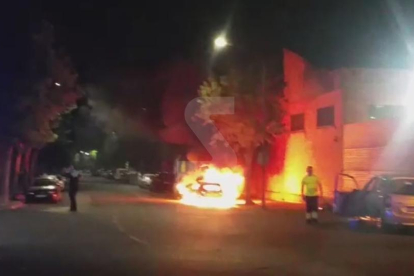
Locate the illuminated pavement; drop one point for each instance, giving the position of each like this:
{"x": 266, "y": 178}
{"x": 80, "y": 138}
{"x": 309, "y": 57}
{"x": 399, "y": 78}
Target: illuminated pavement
{"x": 121, "y": 230}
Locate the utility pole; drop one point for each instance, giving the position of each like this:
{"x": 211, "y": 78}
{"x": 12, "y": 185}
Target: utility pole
{"x": 264, "y": 150}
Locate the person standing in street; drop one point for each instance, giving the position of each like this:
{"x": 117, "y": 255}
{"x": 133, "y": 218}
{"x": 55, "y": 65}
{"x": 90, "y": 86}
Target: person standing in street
{"x": 74, "y": 176}
{"x": 311, "y": 191}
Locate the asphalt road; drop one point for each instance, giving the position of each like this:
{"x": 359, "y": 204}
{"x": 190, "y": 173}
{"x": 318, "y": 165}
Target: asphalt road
{"x": 121, "y": 230}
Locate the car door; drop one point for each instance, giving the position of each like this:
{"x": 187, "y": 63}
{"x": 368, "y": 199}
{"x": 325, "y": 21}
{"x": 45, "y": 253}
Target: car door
{"x": 361, "y": 200}
{"x": 344, "y": 201}
{"x": 373, "y": 197}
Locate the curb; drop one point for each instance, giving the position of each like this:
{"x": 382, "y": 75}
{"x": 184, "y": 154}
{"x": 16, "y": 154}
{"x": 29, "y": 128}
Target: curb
{"x": 12, "y": 206}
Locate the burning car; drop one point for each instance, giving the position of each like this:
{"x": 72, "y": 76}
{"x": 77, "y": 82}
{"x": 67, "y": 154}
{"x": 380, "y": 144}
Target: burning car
{"x": 211, "y": 187}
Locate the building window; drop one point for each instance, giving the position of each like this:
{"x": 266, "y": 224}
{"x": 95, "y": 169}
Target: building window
{"x": 326, "y": 116}
{"x": 378, "y": 112}
{"x": 297, "y": 122}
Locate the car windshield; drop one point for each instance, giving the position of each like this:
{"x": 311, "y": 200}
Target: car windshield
{"x": 403, "y": 186}
{"x": 43, "y": 182}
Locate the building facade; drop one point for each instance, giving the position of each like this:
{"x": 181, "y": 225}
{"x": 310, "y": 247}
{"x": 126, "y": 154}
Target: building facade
{"x": 352, "y": 121}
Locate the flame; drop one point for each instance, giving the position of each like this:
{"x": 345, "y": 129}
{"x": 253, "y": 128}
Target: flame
{"x": 287, "y": 185}
{"x": 230, "y": 181}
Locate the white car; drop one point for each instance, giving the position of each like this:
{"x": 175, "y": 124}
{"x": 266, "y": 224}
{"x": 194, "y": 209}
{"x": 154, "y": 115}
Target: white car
{"x": 145, "y": 180}
{"x": 59, "y": 182}
{"x": 386, "y": 199}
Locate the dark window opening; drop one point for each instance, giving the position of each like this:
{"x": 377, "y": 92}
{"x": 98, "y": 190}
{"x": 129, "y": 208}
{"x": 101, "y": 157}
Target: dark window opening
{"x": 378, "y": 112}
{"x": 297, "y": 122}
{"x": 326, "y": 116}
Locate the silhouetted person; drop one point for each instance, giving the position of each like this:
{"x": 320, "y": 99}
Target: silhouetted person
{"x": 74, "y": 176}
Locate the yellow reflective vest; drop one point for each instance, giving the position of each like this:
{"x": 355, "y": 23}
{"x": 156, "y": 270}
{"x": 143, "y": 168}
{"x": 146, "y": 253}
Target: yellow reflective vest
{"x": 311, "y": 185}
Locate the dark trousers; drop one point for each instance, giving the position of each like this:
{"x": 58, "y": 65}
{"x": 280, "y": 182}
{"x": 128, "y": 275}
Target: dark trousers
{"x": 72, "y": 197}
{"x": 311, "y": 206}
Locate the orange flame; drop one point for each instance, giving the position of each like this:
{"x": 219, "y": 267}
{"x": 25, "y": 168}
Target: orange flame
{"x": 230, "y": 180}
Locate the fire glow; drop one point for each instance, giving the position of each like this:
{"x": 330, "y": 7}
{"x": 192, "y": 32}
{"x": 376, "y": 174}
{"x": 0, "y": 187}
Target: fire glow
{"x": 212, "y": 187}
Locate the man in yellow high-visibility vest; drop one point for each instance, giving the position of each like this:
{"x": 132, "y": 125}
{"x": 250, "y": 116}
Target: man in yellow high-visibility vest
{"x": 311, "y": 190}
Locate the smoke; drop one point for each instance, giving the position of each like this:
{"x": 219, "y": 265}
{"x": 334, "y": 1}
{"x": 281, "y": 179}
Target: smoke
{"x": 112, "y": 115}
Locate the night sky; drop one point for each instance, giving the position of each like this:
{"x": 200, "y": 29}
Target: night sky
{"x": 129, "y": 41}
{"x": 329, "y": 34}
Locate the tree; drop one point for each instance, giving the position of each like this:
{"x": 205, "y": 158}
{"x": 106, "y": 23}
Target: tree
{"x": 37, "y": 98}
{"x": 256, "y": 119}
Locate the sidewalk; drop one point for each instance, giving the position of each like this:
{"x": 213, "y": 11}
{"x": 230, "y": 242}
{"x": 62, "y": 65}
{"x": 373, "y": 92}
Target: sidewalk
{"x": 270, "y": 204}
{"x": 12, "y": 205}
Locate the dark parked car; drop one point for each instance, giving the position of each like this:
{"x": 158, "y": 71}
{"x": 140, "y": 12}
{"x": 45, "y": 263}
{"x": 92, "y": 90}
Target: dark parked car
{"x": 387, "y": 199}
{"x": 163, "y": 182}
{"x": 44, "y": 189}
{"x": 108, "y": 174}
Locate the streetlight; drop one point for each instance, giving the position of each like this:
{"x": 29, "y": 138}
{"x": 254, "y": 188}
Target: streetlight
{"x": 220, "y": 42}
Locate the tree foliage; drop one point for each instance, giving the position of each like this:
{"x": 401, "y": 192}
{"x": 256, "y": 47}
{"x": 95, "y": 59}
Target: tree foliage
{"x": 257, "y": 117}
{"x": 42, "y": 90}
{"x": 50, "y": 90}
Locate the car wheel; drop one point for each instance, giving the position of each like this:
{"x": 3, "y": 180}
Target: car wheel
{"x": 387, "y": 227}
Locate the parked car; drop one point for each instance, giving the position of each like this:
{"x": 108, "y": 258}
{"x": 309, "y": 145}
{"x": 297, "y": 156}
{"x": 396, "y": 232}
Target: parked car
{"x": 163, "y": 182}
{"x": 59, "y": 180}
{"x": 108, "y": 174}
{"x": 121, "y": 174}
{"x": 97, "y": 172}
{"x": 145, "y": 180}
{"x": 44, "y": 188}
{"x": 86, "y": 172}
{"x": 387, "y": 199}
{"x": 64, "y": 180}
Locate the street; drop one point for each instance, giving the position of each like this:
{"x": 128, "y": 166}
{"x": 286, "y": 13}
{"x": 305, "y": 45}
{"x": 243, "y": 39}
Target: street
{"x": 122, "y": 230}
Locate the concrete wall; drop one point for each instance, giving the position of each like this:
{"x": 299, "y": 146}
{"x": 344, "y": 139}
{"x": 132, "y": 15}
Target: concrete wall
{"x": 377, "y": 147}
{"x": 365, "y": 87}
{"x": 356, "y": 144}
{"x": 303, "y": 82}
{"x": 307, "y": 89}
{"x": 320, "y": 147}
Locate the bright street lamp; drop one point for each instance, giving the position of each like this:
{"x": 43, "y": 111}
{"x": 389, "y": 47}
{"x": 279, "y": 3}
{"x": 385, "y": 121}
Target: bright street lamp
{"x": 220, "y": 42}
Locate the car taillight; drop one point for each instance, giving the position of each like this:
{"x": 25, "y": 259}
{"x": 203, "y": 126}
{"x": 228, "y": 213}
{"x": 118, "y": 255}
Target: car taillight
{"x": 387, "y": 202}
